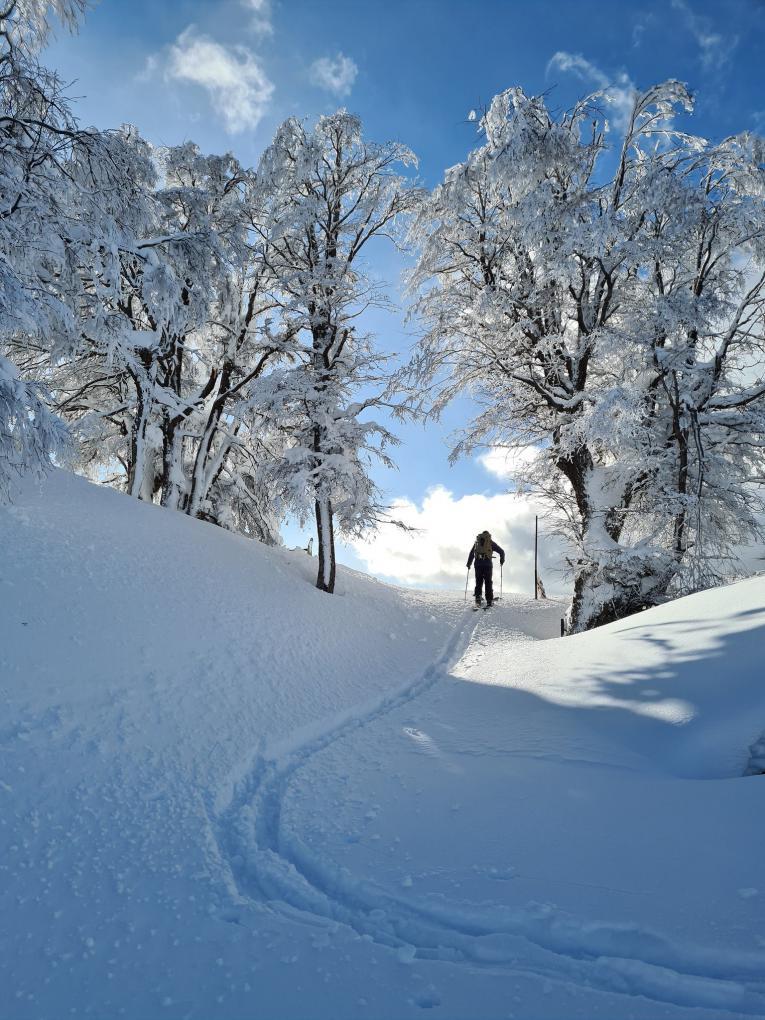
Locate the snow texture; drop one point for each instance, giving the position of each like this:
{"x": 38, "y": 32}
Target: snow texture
{"x": 227, "y": 794}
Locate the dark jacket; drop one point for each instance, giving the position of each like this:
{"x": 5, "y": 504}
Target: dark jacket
{"x": 495, "y": 547}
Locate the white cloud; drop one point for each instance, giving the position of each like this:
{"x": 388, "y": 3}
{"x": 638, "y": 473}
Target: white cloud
{"x": 715, "y": 48}
{"x": 508, "y": 464}
{"x": 261, "y": 22}
{"x": 234, "y": 80}
{"x": 335, "y": 74}
{"x": 619, "y": 93}
{"x": 149, "y": 68}
{"x": 435, "y": 556}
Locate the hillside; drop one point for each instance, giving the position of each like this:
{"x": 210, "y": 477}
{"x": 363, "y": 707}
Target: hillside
{"x": 226, "y": 794}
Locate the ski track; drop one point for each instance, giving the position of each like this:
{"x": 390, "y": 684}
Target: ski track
{"x": 268, "y": 869}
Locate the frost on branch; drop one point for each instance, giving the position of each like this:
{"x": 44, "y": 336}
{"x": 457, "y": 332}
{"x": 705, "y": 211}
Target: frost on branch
{"x": 607, "y": 307}
{"x": 29, "y": 434}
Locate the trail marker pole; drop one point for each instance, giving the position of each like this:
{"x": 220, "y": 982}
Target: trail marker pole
{"x": 536, "y": 546}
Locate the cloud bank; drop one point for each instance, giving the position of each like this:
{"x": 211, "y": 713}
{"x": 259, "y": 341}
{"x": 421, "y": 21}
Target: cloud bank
{"x": 435, "y": 556}
{"x": 508, "y": 464}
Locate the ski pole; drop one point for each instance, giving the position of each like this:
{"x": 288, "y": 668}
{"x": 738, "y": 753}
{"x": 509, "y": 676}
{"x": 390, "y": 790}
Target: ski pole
{"x": 467, "y": 578}
{"x": 501, "y": 565}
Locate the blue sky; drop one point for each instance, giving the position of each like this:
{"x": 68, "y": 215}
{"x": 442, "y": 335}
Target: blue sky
{"x": 225, "y": 73}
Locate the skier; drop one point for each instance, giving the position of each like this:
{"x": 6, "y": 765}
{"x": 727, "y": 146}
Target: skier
{"x": 482, "y": 551}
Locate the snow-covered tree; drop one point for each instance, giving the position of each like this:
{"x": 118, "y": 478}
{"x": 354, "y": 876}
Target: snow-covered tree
{"x": 705, "y": 334}
{"x": 238, "y": 344}
{"x": 29, "y": 433}
{"x": 25, "y": 25}
{"x": 170, "y": 335}
{"x": 590, "y": 300}
{"x": 37, "y": 237}
{"x": 330, "y": 192}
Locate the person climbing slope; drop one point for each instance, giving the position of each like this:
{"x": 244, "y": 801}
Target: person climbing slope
{"x": 482, "y": 552}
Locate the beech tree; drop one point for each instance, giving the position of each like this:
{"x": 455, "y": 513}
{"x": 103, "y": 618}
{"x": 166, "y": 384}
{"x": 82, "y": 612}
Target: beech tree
{"x": 606, "y": 319}
{"x": 39, "y": 243}
{"x": 170, "y": 336}
{"x": 29, "y": 433}
{"x": 330, "y": 192}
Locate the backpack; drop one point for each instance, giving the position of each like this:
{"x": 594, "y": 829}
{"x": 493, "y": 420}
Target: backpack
{"x": 483, "y": 546}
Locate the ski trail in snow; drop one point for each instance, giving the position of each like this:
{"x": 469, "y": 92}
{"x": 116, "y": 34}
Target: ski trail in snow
{"x": 268, "y": 869}
{"x": 246, "y": 827}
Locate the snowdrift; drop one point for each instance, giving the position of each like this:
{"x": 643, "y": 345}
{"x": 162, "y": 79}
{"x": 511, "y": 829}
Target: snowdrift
{"x": 226, "y": 794}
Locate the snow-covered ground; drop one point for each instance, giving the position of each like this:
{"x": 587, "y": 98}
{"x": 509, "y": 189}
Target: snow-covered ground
{"x": 224, "y": 794}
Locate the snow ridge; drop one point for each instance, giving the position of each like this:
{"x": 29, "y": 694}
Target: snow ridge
{"x": 269, "y": 868}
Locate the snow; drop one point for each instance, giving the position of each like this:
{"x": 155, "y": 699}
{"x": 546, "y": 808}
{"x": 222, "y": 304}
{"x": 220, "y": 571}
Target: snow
{"x": 226, "y": 794}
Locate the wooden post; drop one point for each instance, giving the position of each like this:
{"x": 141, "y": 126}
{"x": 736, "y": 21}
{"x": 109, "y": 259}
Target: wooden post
{"x": 536, "y": 545}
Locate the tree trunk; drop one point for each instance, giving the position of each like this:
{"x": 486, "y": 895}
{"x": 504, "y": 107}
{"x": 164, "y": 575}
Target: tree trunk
{"x": 325, "y": 530}
{"x": 172, "y": 463}
{"x": 680, "y": 537}
{"x": 610, "y": 581}
{"x": 141, "y": 470}
{"x": 201, "y": 476}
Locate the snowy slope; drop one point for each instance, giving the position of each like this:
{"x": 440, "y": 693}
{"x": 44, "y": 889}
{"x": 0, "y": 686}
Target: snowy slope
{"x": 225, "y": 794}
{"x": 574, "y": 811}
